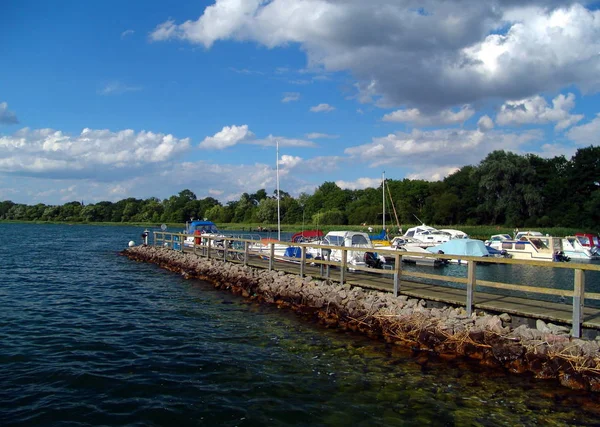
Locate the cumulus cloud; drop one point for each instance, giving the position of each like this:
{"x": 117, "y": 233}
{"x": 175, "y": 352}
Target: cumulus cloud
{"x": 535, "y": 110}
{"x": 444, "y": 117}
{"x": 359, "y": 184}
{"x": 116, "y": 88}
{"x": 586, "y": 134}
{"x": 442, "y": 147}
{"x": 431, "y": 53}
{"x": 432, "y": 173}
{"x": 7, "y": 117}
{"x": 227, "y": 137}
{"x": 94, "y": 153}
{"x": 289, "y": 161}
{"x": 232, "y": 135}
{"x": 485, "y": 123}
{"x": 290, "y": 96}
{"x": 322, "y": 108}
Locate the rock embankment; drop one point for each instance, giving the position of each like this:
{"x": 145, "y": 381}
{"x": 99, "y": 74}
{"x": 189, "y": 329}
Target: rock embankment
{"x": 547, "y": 351}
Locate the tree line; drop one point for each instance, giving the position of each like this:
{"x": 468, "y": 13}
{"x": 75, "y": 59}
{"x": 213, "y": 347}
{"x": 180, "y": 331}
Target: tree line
{"x": 504, "y": 189}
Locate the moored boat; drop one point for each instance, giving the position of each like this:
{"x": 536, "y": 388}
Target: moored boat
{"x": 533, "y": 246}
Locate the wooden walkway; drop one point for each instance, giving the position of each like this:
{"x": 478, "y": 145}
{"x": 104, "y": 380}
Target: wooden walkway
{"x": 526, "y": 308}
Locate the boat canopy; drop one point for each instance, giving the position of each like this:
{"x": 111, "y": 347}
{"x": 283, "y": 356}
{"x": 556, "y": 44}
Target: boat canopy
{"x": 465, "y": 247}
{"x": 205, "y": 227}
{"x": 307, "y": 235}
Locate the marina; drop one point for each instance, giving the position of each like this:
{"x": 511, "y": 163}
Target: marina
{"x": 563, "y": 302}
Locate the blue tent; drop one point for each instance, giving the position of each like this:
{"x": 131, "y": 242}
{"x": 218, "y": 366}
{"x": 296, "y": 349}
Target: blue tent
{"x": 465, "y": 247}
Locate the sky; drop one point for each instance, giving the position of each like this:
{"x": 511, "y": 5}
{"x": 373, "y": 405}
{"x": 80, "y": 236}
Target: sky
{"x": 106, "y": 100}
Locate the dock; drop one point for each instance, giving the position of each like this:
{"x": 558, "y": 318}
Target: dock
{"x": 471, "y": 293}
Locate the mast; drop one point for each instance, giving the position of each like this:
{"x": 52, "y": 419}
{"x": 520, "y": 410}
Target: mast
{"x": 383, "y": 191}
{"x": 278, "y": 207}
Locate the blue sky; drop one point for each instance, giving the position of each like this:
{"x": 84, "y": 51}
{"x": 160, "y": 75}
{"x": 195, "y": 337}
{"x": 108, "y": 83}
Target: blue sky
{"x": 109, "y": 100}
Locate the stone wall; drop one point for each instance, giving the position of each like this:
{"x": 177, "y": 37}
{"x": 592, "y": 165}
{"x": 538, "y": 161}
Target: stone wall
{"x": 547, "y": 351}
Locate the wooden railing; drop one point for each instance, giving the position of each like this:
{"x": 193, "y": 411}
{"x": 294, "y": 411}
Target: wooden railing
{"x": 236, "y": 249}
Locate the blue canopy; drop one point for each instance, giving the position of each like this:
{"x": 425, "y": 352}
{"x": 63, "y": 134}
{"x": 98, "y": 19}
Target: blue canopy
{"x": 295, "y": 252}
{"x": 203, "y": 226}
{"x": 465, "y": 247}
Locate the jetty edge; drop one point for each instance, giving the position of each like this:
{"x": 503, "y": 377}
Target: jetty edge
{"x": 548, "y": 352}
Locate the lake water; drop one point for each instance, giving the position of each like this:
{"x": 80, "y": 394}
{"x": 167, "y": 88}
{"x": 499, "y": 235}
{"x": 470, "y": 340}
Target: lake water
{"x": 89, "y": 337}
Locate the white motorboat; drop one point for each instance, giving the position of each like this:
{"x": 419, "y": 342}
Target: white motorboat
{"x": 427, "y": 236}
{"x": 574, "y": 249}
{"x": 361, "y": 256}
{"x": 533, "y": 247}
{"x": 455, "y": 234}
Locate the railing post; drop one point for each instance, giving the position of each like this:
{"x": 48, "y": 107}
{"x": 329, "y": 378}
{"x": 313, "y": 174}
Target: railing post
{"x": 397, "y": 273}
{"x": 578, "y": 303}
{"x": 245, "y": 254}
{"x": 271, "y": 255}
{"x": 328, "y": 265}
{"x": 470, "y": 286}
{"x": 208, "y": 247}
{"x": 303, "y": 260}
{"x": 224, "y": 250}
{"x": 343, "y": 267}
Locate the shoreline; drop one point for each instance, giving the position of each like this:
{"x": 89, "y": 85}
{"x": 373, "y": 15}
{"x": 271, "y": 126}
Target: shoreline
{"x": 547, "y": 352}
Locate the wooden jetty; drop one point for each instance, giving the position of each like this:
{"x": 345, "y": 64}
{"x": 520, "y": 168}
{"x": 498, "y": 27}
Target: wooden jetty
{"x": 468, "y": 291}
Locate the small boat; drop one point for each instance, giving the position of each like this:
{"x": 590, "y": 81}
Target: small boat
{"x": 455, "y": 234}
{"x": 461, "y": 247}
{"x": 409, "y": 248}
{"x": 497, "y": 238}
{"x": 589, "y": 240}
{"x": 199, "y": 228}
{"x": 363, "y": 255}
{"x": 533, "y": 246}
{"x": 307, "y": 236}
{"x": 574, "y": 249}
{"x": 427, "y": 236}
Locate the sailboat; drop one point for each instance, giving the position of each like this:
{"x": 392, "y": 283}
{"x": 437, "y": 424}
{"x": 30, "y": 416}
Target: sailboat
{"x": 382, "y": 239}
{"x": 281, "y": 251}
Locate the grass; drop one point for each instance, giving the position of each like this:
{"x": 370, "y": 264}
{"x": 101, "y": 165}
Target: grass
{"x": 481, "y": 232}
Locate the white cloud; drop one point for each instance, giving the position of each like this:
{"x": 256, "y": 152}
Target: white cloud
{"x": 116, "y": 88}
{"x": 485, "y": 123}
{"x": 7, "y": 117}
{"x": 317, "y": 135}
{"x": 126, "y": 33}
{"x": 290, "y": 96}
{"x": 289, "y": 161}
{"x": 432, "y": 174}
{"x": 227, "y": 137}
{"x": 419, "y": 54}
{"x": 443, "y": 147}
{"x": 322, "y": 108}
{"x": 535, "y": 110}
{"x": 232, "y": 135}
{"x": 100, "y": 154}
{"x": 587, "y": 134}
{"x": 359, "y": 184}
{"x": 444, "y": 117}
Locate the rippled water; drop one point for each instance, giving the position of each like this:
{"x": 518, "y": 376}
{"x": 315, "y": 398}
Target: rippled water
{"x": 91, "y": 338}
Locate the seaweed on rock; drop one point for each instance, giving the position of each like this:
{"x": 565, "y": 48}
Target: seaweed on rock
{"x": 547, "y": 353}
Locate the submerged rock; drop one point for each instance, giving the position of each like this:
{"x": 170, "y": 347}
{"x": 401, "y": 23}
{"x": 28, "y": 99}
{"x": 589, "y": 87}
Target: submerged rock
{"x": 546, "y": 351}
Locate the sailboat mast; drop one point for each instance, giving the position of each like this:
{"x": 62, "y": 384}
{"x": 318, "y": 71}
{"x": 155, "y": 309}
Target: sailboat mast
{"x": 383, "y": 191}
{"x": 278, "y": 207}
